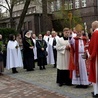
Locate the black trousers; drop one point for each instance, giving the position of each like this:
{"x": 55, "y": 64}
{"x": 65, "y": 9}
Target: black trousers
{"x": 55, "y": 56}
{"x": 14, "y": 70}
{"x": 42, "y": 62}
{"x": 63, "y": 77}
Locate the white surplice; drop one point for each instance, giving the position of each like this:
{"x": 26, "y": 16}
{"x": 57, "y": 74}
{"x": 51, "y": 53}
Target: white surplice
{"x": 83, "y": 78}
{"x": 35, "y": 49}
{"x": 47, "y": 49}
{"x": 62, "y": 54}
{"x": 51, "y": 59}
{"x": 14, "y": 58}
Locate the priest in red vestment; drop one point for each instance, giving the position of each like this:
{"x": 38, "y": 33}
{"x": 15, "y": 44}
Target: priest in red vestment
{"x": 78, "y": 69}
{"x": 93, "y": 50}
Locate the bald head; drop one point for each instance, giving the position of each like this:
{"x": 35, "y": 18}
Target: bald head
{"x": 94, "y": 25}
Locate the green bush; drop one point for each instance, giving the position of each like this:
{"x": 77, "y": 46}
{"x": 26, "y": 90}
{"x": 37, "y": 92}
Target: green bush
{"x": 6, "y": 31}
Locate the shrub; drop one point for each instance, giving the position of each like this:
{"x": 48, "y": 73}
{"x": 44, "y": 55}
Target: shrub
{"x": 6, "y": 31}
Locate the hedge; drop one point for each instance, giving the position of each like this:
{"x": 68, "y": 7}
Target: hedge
{"x": 6, "y": 31}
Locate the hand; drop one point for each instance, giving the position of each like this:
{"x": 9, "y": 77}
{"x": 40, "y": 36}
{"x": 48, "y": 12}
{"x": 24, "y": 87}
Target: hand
{"x": 86, "y": 46}
{"x": 16, "y": 47}
{"x": 43, "y": 49}
{"x": 84, "y": 56}
{"x": 89, "y": 58}
{"x": 67, "y": 48}
{"x": 54, "y": 47}
{"x": 31, "y": 47}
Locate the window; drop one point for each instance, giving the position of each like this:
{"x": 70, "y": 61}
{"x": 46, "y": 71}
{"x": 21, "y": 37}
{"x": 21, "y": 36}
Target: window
{"x": 77, "y": 4}
{"x": 58, "y": 4}
{"x": 70, "y": 5}
{"x": 29, "y": 11}
{"x": 29, "y": 25}
{"x": 66, "y": 5}
{"x": 83, "y": 3}
{"x": 18, "y": 14}
{"x": 15, "y": 15}
{"x": 17, "y": 3}
{"x": 52, "y": 6}
{"x": 25, "y": 26}
{"x": 21, "y": 2}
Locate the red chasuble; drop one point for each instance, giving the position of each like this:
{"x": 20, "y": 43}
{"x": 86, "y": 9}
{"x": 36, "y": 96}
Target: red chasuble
{"x": 93, "y": 50}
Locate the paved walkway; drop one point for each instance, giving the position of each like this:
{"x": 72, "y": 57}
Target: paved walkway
{"x": 14, "y": 88}
{"x": 38, "y": 83}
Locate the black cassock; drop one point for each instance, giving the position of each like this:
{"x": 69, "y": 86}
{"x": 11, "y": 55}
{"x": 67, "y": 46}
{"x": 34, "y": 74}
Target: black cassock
{"x": 41, "y": 54}
{"x": 28, "y": 55}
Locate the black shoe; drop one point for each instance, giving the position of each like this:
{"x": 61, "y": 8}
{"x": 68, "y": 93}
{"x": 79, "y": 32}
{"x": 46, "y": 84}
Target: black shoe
{"x": 30, "y": 69}
{"x": 79, "y": 86}
{"x": 44, "y": 68}
{"x": 41, "y": 68}
{"x": 85, "y": 86}
{"x": 15, "y": 72}
{"x": 1, "y": 74}
{"x": 92, "y": 93}
{"x": 95, "y": 96}
{"x": 60, "y": 84}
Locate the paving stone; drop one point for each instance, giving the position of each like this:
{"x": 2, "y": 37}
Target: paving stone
{"x": 42, "y": 81}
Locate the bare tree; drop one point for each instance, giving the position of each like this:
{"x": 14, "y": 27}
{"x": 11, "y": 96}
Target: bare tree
{"x": 10, "y": 5}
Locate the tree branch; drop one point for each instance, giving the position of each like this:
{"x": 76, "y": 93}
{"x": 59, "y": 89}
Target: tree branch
{"x": 8, "y": 4}
{"x": 4, "y": 7}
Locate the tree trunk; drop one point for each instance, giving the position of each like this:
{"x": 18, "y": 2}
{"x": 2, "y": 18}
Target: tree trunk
{"x": 12, "y": 25}
{"x": 22, "y": 17}
{"x": 46, "y": 20}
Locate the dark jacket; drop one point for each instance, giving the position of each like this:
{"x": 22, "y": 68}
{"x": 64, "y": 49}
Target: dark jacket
{"x": 27, "y": 52}
{"x": 41, "y": 44}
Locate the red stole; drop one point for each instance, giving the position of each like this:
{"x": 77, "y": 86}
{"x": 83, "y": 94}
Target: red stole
{"x": 87, "y": 61}
{"x": 71, "y": 61}
{"x": 93, "y": 50}
{"x": 77, "y": 53}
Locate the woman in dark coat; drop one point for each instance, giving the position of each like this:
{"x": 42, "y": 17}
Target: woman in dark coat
{"x": 41, "y": 52}
{"x": 28, "y": 55}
